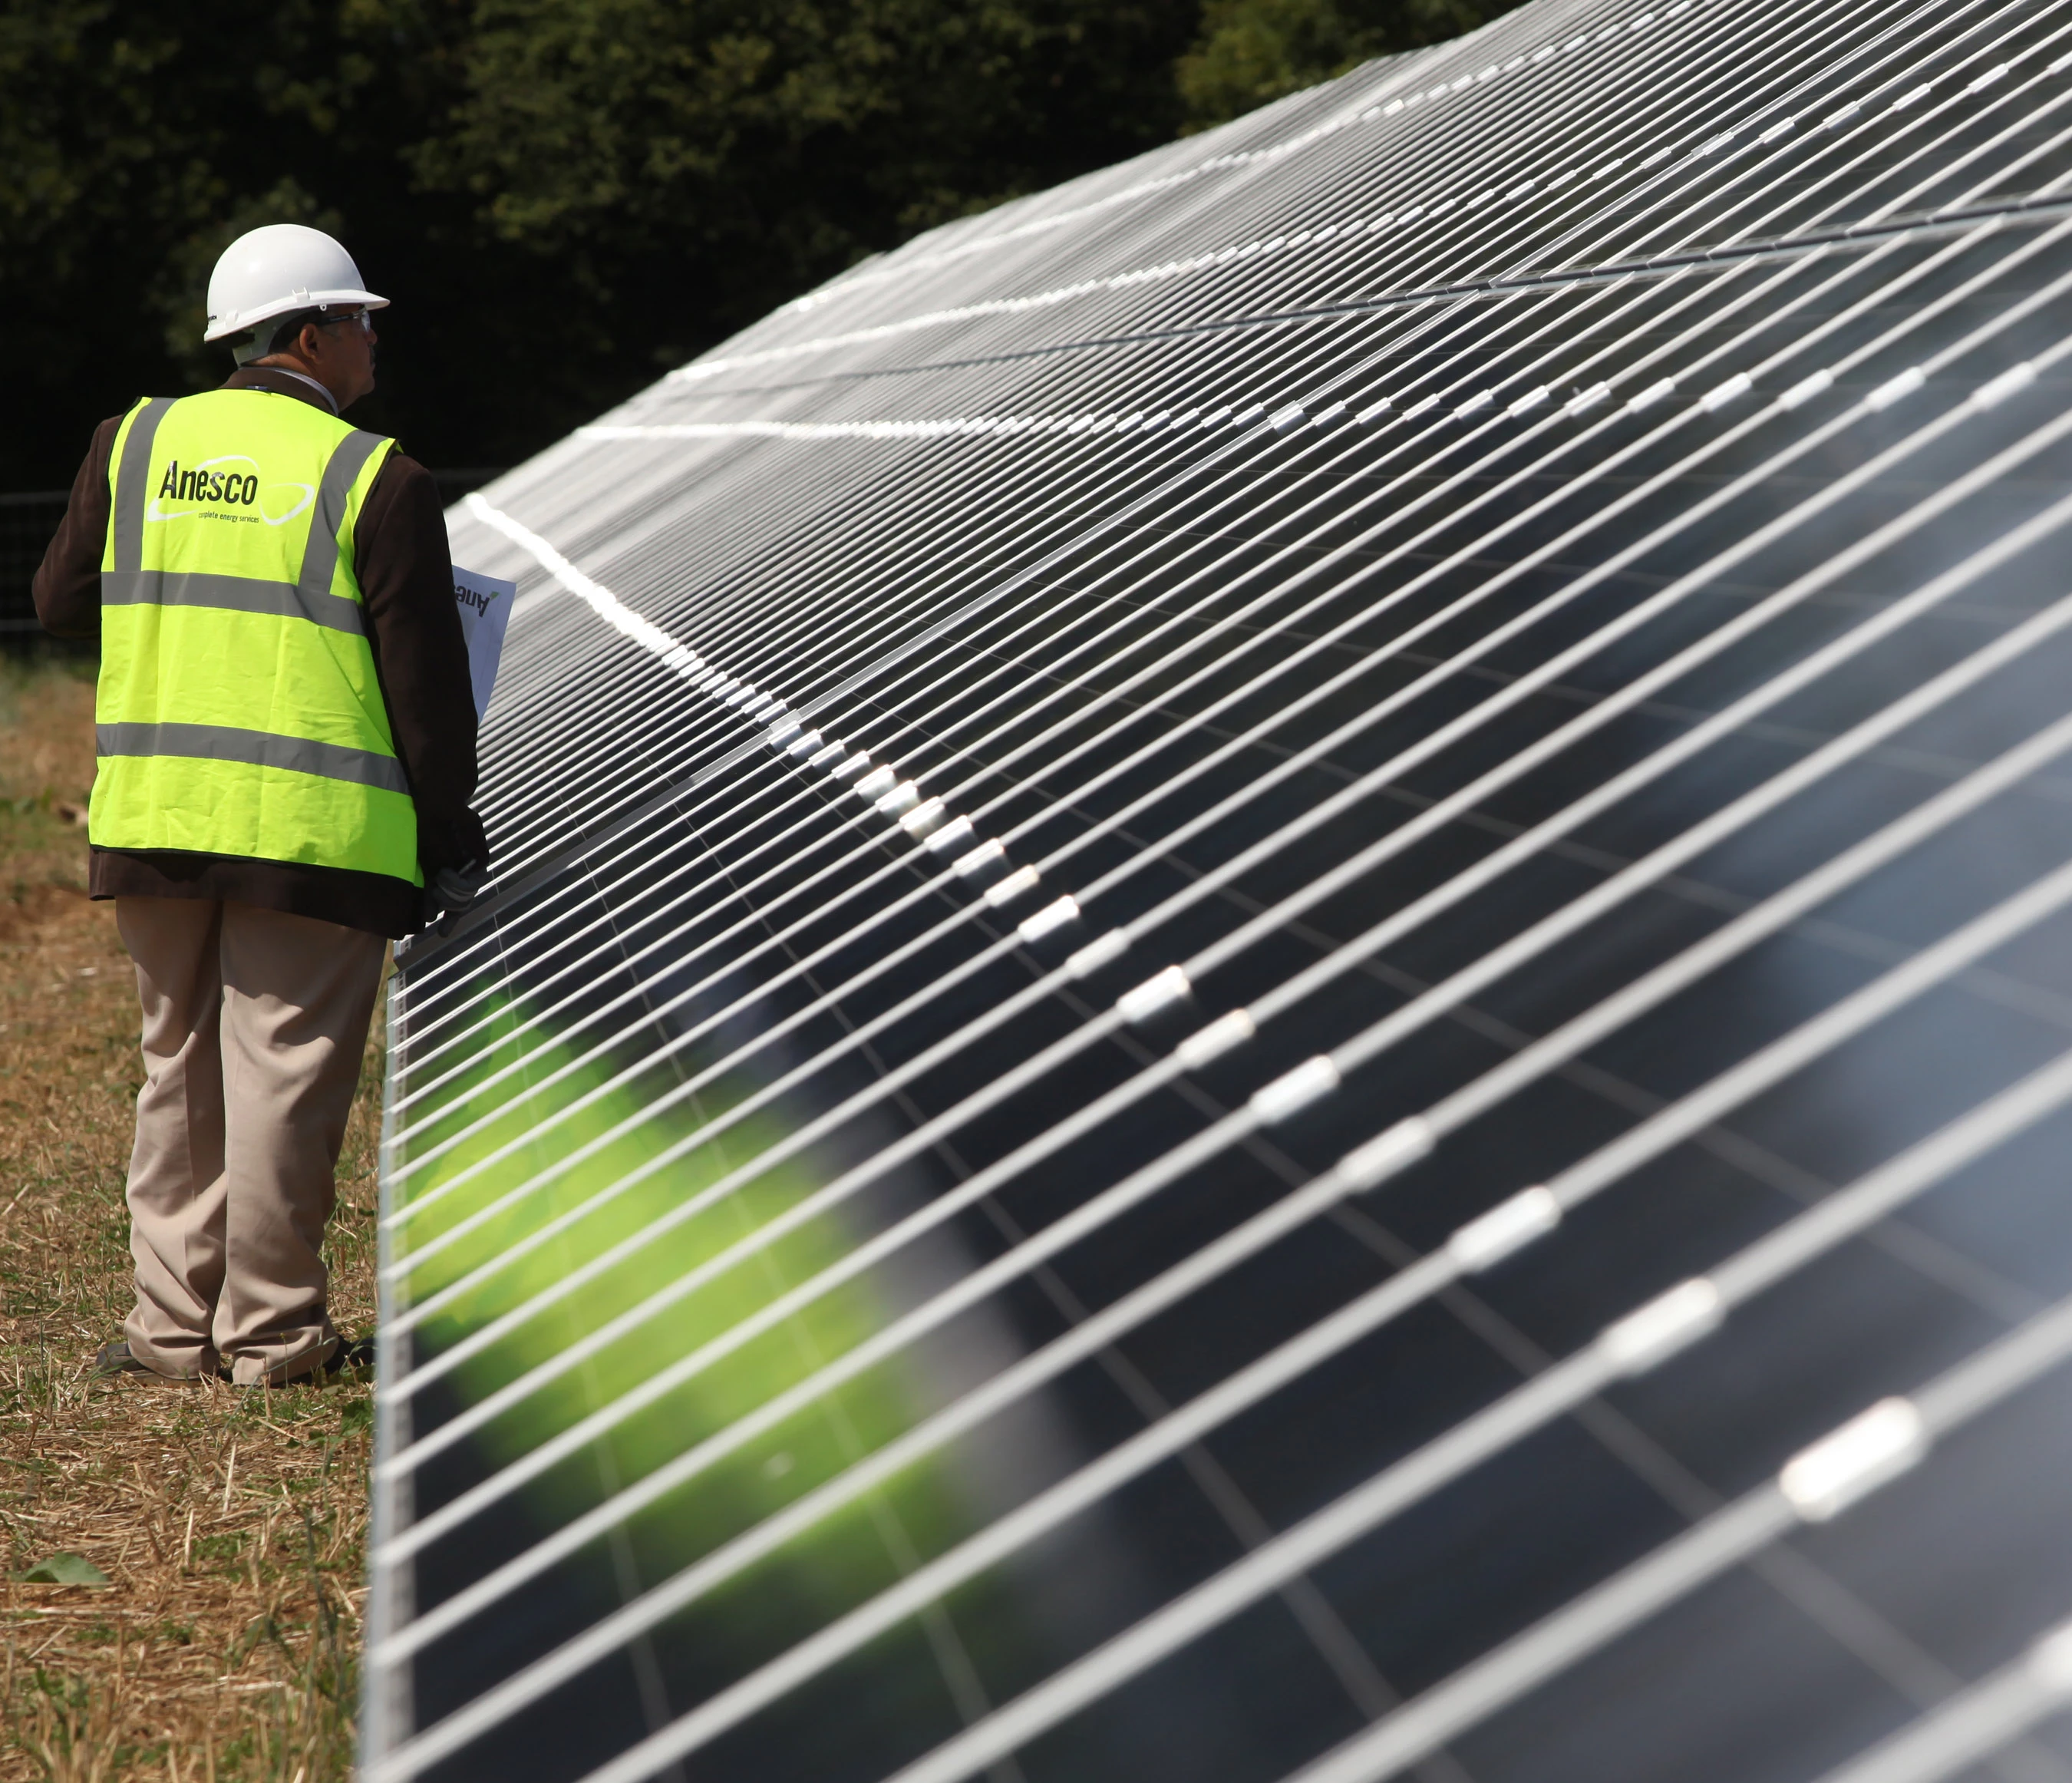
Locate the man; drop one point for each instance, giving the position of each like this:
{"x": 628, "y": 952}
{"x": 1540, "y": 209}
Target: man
{"x": 286, "y": 738}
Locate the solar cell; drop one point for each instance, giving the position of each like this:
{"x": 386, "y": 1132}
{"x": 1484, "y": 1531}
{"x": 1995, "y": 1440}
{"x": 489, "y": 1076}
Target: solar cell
{"x": 1279, "y": 983}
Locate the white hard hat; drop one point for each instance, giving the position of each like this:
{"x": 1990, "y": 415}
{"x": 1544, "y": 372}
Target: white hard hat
{"x": 276, "y": 271}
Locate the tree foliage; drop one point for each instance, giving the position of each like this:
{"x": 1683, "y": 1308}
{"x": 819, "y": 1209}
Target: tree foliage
{"x": 562, "y": 196}
{"x": 137, "y": 141}
{"x": 688, "y": 167}
{"x": 1250, "y": 52}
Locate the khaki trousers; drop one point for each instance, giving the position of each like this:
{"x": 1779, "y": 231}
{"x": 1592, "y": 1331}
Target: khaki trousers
{"x": 254, "y": 1024}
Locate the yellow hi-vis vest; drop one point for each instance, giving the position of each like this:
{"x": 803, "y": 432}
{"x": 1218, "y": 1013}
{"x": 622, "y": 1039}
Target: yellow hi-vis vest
{"x": 238, "y": 711}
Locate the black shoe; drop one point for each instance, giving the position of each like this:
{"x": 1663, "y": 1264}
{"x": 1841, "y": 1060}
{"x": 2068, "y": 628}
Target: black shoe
{"x": 353, "y": 1360}
{"x": 112, "y": 1359}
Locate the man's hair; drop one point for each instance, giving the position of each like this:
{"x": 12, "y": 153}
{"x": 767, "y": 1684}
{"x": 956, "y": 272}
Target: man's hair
{"x": 276, "y": 336}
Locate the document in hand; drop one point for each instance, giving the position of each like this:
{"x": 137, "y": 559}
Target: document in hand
{"x": 485, "y": 611}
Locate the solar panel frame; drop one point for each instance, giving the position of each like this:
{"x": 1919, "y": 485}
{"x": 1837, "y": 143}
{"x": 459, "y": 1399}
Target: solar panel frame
{"x": 1045, "y": 589}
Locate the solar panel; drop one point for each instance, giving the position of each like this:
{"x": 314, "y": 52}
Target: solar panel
{"x": 1279, "y": 986}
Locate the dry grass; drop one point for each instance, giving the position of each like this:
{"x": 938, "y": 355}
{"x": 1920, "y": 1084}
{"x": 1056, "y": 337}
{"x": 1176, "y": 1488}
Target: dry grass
{"x": 230, "y": 1525}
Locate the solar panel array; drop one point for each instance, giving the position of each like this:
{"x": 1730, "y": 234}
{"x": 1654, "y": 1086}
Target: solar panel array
{"x": 1279, "y": 986}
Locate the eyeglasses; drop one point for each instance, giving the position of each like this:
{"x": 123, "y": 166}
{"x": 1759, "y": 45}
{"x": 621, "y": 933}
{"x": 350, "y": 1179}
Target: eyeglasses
{"x": 365, "y": 320}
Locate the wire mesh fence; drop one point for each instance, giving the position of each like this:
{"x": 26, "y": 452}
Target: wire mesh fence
{"x": 27, "y": 521}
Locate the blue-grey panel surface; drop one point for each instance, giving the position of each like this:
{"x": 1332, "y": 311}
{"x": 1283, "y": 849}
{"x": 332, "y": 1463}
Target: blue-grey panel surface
{"x": 1280, "y": 981}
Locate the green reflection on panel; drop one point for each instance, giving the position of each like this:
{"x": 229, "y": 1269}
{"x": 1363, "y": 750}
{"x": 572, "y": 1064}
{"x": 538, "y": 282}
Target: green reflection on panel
{"x": 510, "y": 1199}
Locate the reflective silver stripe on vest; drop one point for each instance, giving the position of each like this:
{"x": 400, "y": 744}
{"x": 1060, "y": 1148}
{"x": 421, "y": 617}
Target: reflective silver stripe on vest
{"x": 132, "y": 475}
{"x": 320, "y": 554}
{"x": 253, "y": 749}
{"x": 231, "y": 594}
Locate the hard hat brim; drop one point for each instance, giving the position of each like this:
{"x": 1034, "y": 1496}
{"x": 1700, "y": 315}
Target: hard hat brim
{"x": 242, "y": 321}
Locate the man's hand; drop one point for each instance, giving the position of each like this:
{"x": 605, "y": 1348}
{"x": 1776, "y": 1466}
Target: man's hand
{"x": 456, "y": 841}
{"x": 456, "y": 888}
{"x": 454, "y": 855}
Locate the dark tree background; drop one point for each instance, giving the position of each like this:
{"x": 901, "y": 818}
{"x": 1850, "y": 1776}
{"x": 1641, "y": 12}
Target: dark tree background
{"x": 563, "y": 197}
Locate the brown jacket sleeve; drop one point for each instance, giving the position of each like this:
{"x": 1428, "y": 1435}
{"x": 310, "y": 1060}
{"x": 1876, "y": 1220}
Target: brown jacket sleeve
{"x": 401, "y": 558}
{"x": 67, "y": 588}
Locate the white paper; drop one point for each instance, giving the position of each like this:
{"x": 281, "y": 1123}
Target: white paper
{"x": 485, "y": 611}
